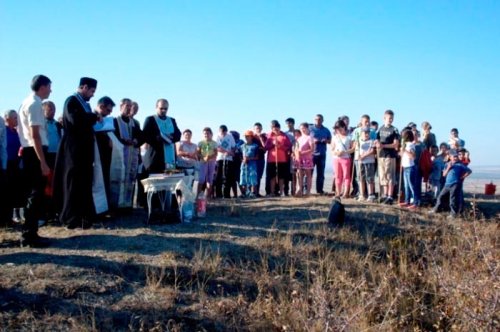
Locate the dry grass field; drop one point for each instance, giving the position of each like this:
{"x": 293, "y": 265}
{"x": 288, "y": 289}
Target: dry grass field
{"x": 260, "y": 265}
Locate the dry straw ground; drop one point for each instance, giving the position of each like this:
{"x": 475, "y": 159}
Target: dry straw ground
{"x": 260, "y": 265}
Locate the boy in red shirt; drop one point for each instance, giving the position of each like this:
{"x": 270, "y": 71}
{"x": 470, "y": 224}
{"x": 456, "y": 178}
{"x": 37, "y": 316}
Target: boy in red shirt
{"x": 277, "y": 145}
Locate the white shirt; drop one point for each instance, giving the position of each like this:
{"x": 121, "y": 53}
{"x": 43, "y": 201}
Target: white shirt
{"x": 407, "y": 160}
{"x": 341, "y": 144}
{"x": 364, "y": 147}
{"x": 31, "y": 114}
{"x": 227, "y": 143}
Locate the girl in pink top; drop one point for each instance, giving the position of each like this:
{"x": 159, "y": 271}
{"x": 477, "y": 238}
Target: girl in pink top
{"x": 342, "y": 147}
{"x": 305, "y": 151}
{"x": 295, "y": 160}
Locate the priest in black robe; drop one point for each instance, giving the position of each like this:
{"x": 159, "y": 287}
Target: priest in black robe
{"x": 75, "y": 158}
{"x": 160, "y": 133}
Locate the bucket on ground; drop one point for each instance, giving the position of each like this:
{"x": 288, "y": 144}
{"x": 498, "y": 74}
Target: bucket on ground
{"x": 490, "y": 188}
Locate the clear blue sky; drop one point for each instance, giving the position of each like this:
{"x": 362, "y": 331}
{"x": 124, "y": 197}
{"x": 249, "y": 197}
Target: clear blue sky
{"x": 238, "y": 62}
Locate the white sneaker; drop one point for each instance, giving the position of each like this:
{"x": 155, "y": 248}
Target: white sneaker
{"x": 371, "y": 198}
{"x": 360, "y": 198}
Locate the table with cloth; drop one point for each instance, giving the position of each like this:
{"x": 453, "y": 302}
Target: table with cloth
{"x": 162, "y": 199}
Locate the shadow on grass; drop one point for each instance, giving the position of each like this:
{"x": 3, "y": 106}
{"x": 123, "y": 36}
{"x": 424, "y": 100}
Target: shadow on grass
{"x": 184, "y": 246}
{"x": 96, "y": 316}
{"x": 134, "y": 273}
{"x": 227, "y": 225}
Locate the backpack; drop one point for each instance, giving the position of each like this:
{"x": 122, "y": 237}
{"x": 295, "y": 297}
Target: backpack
{"x": 336, "y": 215}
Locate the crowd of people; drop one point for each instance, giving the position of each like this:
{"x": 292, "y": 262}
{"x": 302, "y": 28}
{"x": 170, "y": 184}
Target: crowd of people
{"x": 89, "y": 164}
{"x": 403, "y": 163}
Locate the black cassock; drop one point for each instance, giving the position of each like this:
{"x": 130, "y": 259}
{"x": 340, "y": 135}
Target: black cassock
{"x": 154, "y": 159}
{"x": 73, "y": 173}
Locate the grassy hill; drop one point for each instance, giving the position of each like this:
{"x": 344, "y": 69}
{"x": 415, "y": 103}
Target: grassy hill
{"x": 260, "y": 265}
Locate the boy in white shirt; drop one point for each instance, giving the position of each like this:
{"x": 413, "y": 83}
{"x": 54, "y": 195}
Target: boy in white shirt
{"x": 366, "y": 148}
{"x": 225, "y": 173}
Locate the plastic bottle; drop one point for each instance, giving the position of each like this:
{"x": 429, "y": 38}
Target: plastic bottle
{"x": 187, "y": 211}
{"x": 201, "y": 205}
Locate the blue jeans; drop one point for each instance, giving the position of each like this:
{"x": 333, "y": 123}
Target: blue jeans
{"x": 319, "y": 164}
{"x": 409, "y": 182}
{"x": 417, "y": 186}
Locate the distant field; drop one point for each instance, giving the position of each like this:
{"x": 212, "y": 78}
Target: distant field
{"x": 482, "y": 175}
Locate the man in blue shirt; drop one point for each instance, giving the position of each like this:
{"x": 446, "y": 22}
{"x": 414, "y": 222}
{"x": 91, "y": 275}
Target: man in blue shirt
{"x": 322, "y": 137}
{"x": 53, "y": 132}
{"x": 455, "y": 173}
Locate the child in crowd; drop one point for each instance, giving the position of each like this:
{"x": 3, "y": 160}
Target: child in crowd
{"x": 409, "y": 170}
{"x": 295, "y": 160}
{"x": 366, "y": 149}
{"x": 429, "y": 139}
{"x": 207, "y": 151}
{"x": 356, "y": 136}
{"x": 443, "y": 151}
{"x": 463, "y": 156}
{"x": 260, "y": 139}
{"x": 423, "y": 165}
{"x": 443, "y": 154}
{"x": 365, "y": 119}
{"x": 225, "y": 174}
{"x": 342, "y": 147}
{"x": 455, "y": 173}
{"x": 278, "y": 146}
{"x": 237, "y": 158}
{"x": 305, "y": 159}
{"x": 454, "y": 145}
{"x": 437, "y": 171}
{"x": 388, "y": 145}
{"x": 455, "y": 142}
{"x": 374, "y": 128}
{"x": 248, "y": 176}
